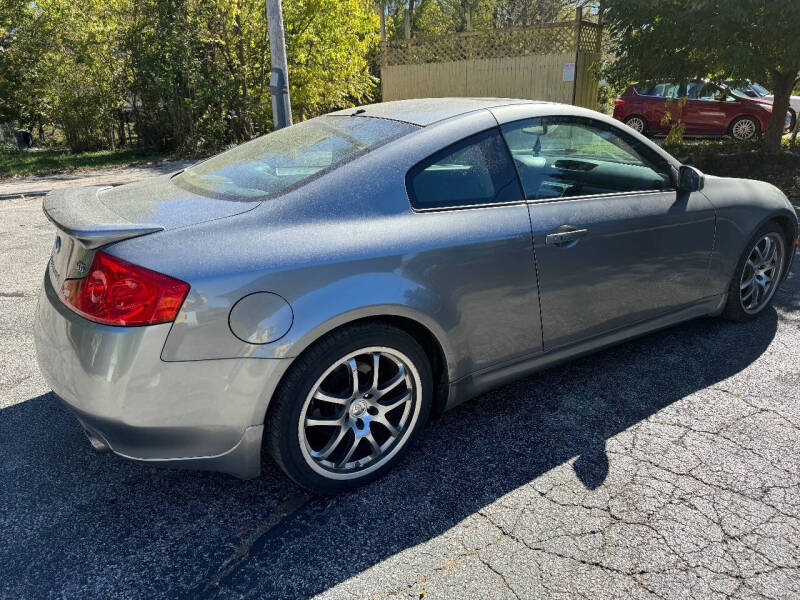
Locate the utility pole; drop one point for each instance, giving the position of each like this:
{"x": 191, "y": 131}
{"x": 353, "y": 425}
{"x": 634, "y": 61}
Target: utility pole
{"x": 279, "y": 75}
{"x": 382, "y": 8}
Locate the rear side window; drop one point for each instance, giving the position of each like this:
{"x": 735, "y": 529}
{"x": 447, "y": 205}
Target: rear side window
{"x": 476, "y": 170}
{"x": 659, "y": 90}
{"x": 289, "y": 157}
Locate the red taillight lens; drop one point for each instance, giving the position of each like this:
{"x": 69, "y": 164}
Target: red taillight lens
{"x": 116, "y": 292}
{"x": 619, "y": 102}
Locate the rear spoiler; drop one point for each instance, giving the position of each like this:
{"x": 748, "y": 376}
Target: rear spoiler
{"x": 80, "y": 214}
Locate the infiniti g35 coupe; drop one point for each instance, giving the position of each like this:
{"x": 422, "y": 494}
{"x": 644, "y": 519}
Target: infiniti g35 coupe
{"x": 317, "y": 292}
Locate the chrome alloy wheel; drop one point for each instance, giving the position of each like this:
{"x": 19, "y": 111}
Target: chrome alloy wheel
{"x": 761, "y": 273}
{"x": 744, "y": 129}
{"x": 359, "y": 413}
{"x": 636, "y": 123}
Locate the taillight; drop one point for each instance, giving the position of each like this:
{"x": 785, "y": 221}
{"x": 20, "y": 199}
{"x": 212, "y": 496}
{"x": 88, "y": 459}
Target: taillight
{"x": 619, "y": 102}
{"x": 116, "y": 292}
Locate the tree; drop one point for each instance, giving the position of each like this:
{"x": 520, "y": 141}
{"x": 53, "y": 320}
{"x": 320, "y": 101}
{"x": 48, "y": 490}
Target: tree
{"x": 719, "y": 39}
{"x": 192, "y": 75}
{"x": 438, "y": 17}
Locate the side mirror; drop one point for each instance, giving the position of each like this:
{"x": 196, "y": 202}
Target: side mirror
{"x": 689, "y": 179}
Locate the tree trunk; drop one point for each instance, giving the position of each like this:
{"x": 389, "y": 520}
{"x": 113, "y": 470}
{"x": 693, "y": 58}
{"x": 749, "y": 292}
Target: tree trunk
{"x": 121, "y": 117}
{"x": 781, "y": 88}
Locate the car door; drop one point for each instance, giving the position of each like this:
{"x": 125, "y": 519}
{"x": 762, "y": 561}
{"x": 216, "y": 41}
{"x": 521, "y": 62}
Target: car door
{"x": 614, "y": 243}
{"x": 655, "y": 99}
{"x": 480, "y": 259}
{"x": 707, "y": 109}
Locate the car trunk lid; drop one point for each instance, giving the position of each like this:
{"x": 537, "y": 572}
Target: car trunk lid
{"x": 94, "y": 216}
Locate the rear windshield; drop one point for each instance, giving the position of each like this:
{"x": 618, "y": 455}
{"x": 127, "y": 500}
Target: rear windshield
{"x": 290, "y": 157}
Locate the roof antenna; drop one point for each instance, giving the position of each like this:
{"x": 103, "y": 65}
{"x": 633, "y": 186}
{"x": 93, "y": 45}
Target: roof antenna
{"x": 359, "y": 111}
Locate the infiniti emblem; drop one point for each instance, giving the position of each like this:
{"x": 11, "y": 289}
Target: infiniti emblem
{"x": 358, "y": 408}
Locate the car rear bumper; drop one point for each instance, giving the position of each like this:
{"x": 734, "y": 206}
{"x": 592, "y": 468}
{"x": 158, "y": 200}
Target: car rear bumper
{"x": 198, "y": 414}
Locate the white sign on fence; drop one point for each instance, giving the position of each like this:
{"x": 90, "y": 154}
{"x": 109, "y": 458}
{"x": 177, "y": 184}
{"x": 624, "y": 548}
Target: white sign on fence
{"x": 569, "y": 72}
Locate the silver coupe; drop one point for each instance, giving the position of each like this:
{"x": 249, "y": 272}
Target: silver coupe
{"x": 317, "y": 292}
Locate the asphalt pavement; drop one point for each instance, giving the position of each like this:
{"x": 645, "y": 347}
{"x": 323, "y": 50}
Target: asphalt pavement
{"x": 665, "y": 467}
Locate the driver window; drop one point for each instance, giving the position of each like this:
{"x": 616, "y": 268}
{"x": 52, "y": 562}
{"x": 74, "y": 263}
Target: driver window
{"x": 571, "y": 156}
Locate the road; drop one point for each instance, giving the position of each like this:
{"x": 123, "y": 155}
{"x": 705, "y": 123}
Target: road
{"x": 665, "y": 467}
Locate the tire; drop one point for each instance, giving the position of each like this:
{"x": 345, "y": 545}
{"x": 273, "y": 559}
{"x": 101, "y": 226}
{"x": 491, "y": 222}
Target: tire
{"x": 739, "y": 306}
{"x": 369, "y": 431}
{"x": 743, "y": 129}
{"x": 638, "y": 123}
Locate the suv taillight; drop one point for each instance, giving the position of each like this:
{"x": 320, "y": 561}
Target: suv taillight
{"x": 619, "y": 102}
{"x": 116, "y": 292}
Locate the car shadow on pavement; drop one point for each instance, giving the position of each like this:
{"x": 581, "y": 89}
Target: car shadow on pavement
{"x": 75, "y": 523}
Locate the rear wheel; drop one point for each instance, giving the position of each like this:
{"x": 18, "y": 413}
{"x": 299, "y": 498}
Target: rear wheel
{"x": 757, "y": 275}
{"x": 350, "y": 407}
{"x": 637, "y": 123}
{"x": 744, "y": 128}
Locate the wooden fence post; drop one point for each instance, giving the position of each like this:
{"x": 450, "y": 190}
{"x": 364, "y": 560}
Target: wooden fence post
{"x": 578, "y": 19}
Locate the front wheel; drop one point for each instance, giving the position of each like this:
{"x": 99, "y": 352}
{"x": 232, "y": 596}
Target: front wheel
{"x": 744, "y": 128}
{"x": 757, "y": 275}
{"x": 350, "y": 407}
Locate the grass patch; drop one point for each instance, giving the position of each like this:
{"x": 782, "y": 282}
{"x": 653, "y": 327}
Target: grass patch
{"x": 46, "y": 162}
{"x": 726, "y": 158}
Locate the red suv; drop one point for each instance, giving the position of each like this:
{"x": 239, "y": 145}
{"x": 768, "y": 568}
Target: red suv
{"x": 710, "y": 109}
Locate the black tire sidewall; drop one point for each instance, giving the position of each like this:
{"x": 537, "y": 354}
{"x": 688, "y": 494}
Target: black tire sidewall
{"x": 733, "y": 307}
{"x": 288, "y": 401}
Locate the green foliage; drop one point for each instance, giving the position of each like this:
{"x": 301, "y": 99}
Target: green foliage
{"x": 606, "y": 94}
{"x": 438, "y": 17}
{"x": 191, "y": 75}
{"x": 9, "y": 148}
{"x": 727, "y": 158}
{"x": 719, "y": 39}
{"x": 672, "y": 116}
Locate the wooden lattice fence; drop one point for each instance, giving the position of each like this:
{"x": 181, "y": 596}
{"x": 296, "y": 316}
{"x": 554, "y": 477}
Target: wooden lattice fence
{"x": 544, "y": 62}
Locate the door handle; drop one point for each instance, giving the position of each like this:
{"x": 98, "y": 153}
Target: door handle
{"x": 564, "y": 236}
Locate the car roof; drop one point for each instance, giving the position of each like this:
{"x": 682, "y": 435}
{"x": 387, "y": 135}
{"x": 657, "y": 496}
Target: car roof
{"x": 426, "y": 111}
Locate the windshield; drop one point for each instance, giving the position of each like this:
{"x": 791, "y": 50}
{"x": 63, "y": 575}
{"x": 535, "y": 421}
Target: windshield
{"x": 750, "y": 89}
{"x": 289, "y": 157}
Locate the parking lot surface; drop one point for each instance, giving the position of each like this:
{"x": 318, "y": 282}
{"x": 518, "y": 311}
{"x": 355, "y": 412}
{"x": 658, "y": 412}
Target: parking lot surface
{"x": 665, "y": 467}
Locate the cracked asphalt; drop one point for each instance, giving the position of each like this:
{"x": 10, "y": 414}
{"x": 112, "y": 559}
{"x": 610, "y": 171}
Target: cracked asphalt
{"x": 666, "y": 467}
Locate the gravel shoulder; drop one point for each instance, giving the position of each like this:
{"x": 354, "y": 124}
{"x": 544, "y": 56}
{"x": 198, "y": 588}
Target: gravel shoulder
{"x": 665, "y": 467}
